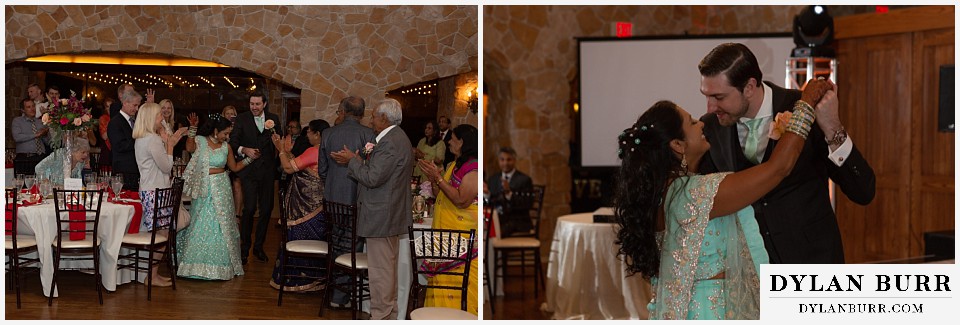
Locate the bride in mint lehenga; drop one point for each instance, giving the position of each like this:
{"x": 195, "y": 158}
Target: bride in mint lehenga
{"x": 209, "y": 248}
{"x": 694, "y": 235}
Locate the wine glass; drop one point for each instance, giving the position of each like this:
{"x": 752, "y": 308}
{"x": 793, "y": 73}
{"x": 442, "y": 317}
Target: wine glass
{"x": 46, "y": 187}
{"x": 29, "y": 180}
{"x": 117, "y": 184}
{"x": 88, "y": 181}
{"x": 18, "y": 182}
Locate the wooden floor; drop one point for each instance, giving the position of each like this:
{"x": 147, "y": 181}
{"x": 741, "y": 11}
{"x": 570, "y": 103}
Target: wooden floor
{"x": 517, "y": 302}
{"x": 246, "y": 297}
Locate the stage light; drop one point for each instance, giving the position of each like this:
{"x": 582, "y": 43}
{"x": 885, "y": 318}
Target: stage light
{"x": 813, "y": 33}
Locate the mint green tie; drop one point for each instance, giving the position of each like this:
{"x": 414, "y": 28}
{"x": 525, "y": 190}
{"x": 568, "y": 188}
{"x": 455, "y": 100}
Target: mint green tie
{"x": 753, "y": 140}
{"x": 259, "y": 120}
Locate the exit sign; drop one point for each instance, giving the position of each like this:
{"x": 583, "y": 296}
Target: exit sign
{"x": 624, "y": 29}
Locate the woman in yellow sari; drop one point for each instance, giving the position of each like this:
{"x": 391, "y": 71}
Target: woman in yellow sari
{"x": 456, "y": 208}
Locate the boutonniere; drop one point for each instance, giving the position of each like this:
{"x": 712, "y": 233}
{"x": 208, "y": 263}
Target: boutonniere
{"x": 268, "y": 125}
{"x": 367, "y": 150}
{"x": 779, "y": 125}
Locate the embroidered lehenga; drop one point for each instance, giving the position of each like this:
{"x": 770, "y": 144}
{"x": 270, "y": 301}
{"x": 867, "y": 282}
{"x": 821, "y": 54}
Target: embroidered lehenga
{"x": 696, "y": 249}
{"x": 209, "y": 248}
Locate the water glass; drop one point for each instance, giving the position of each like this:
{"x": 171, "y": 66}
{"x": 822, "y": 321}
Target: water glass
{"x": 18, "y": 182}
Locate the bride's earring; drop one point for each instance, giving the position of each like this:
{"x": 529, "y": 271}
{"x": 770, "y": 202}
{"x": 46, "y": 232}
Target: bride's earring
{"x": 683, "y": 164}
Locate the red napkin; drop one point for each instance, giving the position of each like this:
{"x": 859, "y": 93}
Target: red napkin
{"x": 487, "y": 217}
{"x": 137, "y": 210}
{"x": 8, "y": 216}
{"x": 78, "y": 226}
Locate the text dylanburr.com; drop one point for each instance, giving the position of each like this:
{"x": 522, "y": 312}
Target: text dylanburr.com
{"x": 859, "y": 292}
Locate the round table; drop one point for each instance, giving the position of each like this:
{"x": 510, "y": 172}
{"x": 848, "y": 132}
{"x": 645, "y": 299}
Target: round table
{"x": 585, "y": 277}
{"x": 40, "y": 221}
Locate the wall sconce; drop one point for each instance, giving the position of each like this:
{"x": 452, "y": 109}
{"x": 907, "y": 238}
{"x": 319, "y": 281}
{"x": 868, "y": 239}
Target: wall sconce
{"x": 472, "y": 100}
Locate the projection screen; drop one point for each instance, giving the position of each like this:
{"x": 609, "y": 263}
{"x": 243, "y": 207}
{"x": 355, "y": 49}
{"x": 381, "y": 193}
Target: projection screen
{"x": 621, "y": 78}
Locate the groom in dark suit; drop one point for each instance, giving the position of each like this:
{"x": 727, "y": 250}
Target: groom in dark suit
{"x": 384, "y": 200}
{"x": 796, "y": 218}
{"x": 251, "y": 136}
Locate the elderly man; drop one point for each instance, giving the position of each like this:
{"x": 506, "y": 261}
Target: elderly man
{"x": 338, "y": 187}
{"x": 384, "y": 208}
{"x": 120, "y": 132}
{"x": 29, "y": 133}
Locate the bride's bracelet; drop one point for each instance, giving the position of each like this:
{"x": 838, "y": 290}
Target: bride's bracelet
{"x": 247, "y": 161}
{"x": 192, "y": 132}
{"x": 802, "y": 119}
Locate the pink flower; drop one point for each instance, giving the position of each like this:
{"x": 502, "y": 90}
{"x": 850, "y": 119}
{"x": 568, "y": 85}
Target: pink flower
{"x": 368, "y": 147}
{"x": 78, "y": 121}
{"x": 64, "y": 121}
{"x": 64, "y": 101}
{"x": 426, "y": 189}
{"x": 268, "y": 124}
{"x": 779, "y": 125}
{"x": 86, "y": 117}
{"x": 45, "y": 118}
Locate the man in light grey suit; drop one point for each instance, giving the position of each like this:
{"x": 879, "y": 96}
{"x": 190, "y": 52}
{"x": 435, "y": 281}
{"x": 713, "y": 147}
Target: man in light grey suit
{"x": 384, "y": 211}
{"x": 338, "y": 187}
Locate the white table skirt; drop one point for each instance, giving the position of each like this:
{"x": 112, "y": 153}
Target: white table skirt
{"x": 586, "y": 279}
{"x": 40, "y": 221}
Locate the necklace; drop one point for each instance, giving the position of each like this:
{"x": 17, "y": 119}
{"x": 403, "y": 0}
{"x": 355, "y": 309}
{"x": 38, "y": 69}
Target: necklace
{"x": 214, "y": 140}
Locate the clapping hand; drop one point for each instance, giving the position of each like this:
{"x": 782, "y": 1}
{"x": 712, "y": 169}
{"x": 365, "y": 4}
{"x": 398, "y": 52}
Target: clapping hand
{"x": 193, "y": 119}
{"x": 343, "y": 156}
{"x": 429, "y": 169}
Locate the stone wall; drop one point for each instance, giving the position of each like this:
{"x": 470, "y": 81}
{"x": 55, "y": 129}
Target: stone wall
{"x": 530, "y": 62}
{"x": 327, "y": 51}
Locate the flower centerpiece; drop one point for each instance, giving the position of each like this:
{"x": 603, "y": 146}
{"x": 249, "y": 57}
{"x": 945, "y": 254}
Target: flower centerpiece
{"x": 65, "y": 117}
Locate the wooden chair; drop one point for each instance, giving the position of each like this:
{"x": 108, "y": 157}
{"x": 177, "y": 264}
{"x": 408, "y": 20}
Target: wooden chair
{"x": 77, "y": 214}
{"x": 307, "y": 249}
{"x": 158, "y": 244}
{"x": 16, "y": 245}
{"x": 515, "y": 249}
{"x": 487, "y": 226}
{"x": 440, "y": 252}
{"x": 344, "y": 257}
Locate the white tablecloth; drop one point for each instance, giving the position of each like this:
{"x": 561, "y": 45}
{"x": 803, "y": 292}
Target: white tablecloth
{"x": 586, "y": 279}
{"x": 40, "y": 221}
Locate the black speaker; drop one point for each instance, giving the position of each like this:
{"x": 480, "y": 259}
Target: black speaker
{"x": 946, "y": 98}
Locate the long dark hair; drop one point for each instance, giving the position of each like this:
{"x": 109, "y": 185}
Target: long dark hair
{"x": 432, "y": 140}
{"x": 216, "y": 122}
{"x": 468, "y": 134}
{"x": 318, "y": 125}
{"x": 648, "y": 165}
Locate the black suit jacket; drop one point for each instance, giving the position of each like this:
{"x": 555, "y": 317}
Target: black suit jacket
{"x": 514, "y": 217}
{"x": 245, "y": 133}
{"x": 796, "y": 219}
{"x": 121, "y": 142}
